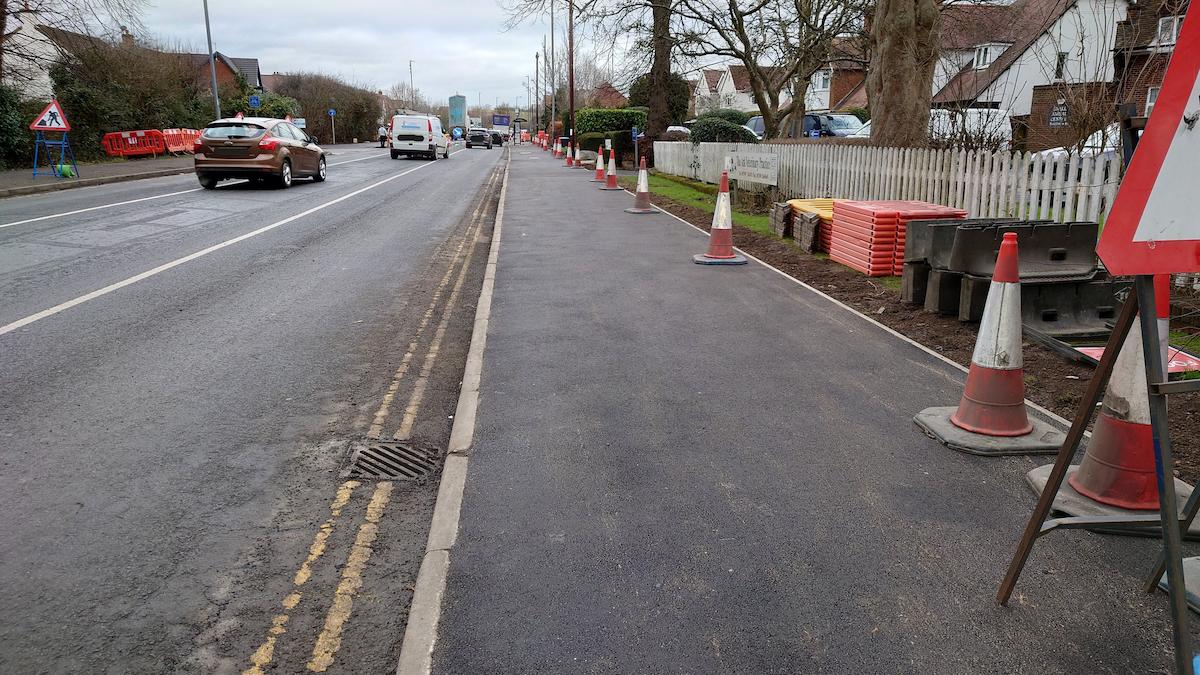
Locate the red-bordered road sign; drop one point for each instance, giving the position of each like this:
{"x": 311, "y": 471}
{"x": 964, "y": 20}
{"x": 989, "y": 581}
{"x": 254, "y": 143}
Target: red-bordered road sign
{"x": 51, "y": 119}
{"x": 1154, "y": 224}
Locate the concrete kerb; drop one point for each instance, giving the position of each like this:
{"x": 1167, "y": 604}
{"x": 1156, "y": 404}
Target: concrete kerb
{"x": 420, "y": 633}
{"x": 89, "y": 182}
{"x": 944, "y": 359}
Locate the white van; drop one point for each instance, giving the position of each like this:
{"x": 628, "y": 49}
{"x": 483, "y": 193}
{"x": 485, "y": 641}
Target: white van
{"x": 418, "y": 135}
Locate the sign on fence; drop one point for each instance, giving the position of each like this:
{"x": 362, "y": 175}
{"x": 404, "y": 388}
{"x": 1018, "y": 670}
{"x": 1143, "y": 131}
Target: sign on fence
{"x": 754, "y": 167}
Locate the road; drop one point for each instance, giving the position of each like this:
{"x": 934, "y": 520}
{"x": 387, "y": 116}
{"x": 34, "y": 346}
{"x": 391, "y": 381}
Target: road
{"x": 182, "y": 374}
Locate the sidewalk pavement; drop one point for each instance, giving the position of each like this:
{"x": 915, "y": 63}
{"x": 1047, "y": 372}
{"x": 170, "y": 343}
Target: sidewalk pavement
{"x": 21, "y": 181}
{"x": 681, "y": 468}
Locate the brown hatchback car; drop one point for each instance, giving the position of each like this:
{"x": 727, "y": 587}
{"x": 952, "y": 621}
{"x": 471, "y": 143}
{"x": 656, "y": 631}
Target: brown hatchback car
{"x": 257, "y": 148}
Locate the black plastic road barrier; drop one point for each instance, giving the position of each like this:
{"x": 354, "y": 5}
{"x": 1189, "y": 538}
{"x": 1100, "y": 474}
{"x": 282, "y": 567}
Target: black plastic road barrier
{"x": 1060, "y": 251}
{"x": 1073, "y": 311}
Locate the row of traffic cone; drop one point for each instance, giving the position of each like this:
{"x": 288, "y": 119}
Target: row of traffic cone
{"x": 720, "y": 246}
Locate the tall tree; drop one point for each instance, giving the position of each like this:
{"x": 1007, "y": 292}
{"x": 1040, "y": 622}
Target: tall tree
{"x": 658, "y": 118}
{"x": 780, "y": 43}
{"x": 904, "y": 47}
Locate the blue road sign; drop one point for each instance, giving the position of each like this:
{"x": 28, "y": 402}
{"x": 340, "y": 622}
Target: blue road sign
{"x": 635, "y": 133}
{"x": 254, "y": 101}
{"x": 332, "y": 112}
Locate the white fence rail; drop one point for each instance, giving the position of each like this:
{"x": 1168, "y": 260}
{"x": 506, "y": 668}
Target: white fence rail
{"x": 985, "y": 184}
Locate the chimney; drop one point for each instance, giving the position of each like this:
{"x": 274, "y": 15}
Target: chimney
{"x": 126, "y": 37}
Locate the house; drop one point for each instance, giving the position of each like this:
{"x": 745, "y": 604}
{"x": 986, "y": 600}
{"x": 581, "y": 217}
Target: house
{"x": 228, "y": 69}
{"x": 607, "y": 96}
{"x": 1144, "y": 43}
{"x": 1066, "y": 43}
{"x": 841, "y": 84}
{"x": 704, "y": 94}
{"x": 734, "y": 89}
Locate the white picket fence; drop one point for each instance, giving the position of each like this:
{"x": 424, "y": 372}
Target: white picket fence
{"x": 985, "y": 184}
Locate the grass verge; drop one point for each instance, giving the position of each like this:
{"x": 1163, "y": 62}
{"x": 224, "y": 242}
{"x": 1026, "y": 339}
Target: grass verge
{"x": 701, "y": 196}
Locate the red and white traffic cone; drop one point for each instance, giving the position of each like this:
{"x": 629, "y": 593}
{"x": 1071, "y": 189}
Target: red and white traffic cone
{"x": 1162, "y": 306}
{"x": 641, "y": 198}
{"x": 557, "y": 149}
{"x": 1118, "y": 468}
{"x": 610, "y": 182}
{"x": 570, "y": 157}
{"x": 578, "y": 157}
{"x": 599, "y": 177}
{"x": 720, "y": 240}
{"x": 993, "y": 402}
{"x": 991, "y": 418}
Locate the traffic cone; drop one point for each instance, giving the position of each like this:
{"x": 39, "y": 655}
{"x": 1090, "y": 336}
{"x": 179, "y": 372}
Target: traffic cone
{"x": 599, "y": 177}
{"x": 1118, "y": 468}
{"x": 641, "y": 198}
{"x": 570, "y": 158}
{"x": 993, "y": 402}
{"x": 578, "y": 157}
{"x": 611, "y": 178}
{"x": 557, "y": 149}
{"x": 720, "y": 240}
{"x": 991, "y": 417}
{"x": 1162, "y": 306}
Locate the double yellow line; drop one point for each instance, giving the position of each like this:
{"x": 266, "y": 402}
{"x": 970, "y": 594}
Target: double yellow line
{"x": 329, "y": 640}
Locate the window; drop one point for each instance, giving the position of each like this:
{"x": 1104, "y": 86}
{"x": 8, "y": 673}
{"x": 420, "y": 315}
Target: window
{"x": 822, "y": 79}
{"x": 1060, "y": 66}
{"x": 986, "y": 54}
{"x": 1168, "y": 30}
{"x": 1151, "y": 98}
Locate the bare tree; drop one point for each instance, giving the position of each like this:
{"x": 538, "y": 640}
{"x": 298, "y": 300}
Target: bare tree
{"x": 903, "y": 41}
{"x": 781, "y": 43}
{"x": 24, "y": 53}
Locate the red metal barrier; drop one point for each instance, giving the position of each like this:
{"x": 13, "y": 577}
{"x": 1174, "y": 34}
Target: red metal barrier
{"x": 134, "y": 143}
{"x": 180, "y": 140}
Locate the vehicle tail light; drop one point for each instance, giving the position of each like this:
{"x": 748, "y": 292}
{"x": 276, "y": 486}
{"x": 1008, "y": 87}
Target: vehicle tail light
{"x": 268, "y": 144}
{"x": 430, "y": 123}
{"x": 197, "y": 146}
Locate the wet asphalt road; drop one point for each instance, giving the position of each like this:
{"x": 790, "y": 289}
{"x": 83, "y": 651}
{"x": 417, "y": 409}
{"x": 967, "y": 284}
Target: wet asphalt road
{"x": 170, "y": 447}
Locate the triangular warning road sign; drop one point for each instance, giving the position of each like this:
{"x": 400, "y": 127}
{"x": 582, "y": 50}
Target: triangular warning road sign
{"x": 51, "y": 119}
{"x": 1153, "y": 227}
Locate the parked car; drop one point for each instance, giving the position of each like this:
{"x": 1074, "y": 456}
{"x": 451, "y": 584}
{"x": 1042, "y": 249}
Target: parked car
{"x": 257, "y": 148}
{"x": 497, "y": 138}
{"x": 419, "y": 135}
{"x": 815, "y": 124}
{"x": 478, "y": 136}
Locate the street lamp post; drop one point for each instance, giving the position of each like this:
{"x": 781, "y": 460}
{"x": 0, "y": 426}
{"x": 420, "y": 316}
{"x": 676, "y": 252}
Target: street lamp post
{"x": 412, "y": 92}
{"x": 212, "y": 62}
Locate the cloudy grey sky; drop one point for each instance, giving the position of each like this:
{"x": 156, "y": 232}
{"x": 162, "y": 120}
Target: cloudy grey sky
{"x": 458, "y": 46}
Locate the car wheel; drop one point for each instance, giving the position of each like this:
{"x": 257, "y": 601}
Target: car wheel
{"x": 284, "y": 180}
{"x": 395, "y": 155}
{"x": 207, "y": 182}
{"x": 320, "y": 174}
{"x": 446, "y": 154}
{"x": 468, "y": 146}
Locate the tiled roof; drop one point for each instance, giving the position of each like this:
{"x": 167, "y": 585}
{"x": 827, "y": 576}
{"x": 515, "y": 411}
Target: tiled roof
{"x": 1029, "y": 20}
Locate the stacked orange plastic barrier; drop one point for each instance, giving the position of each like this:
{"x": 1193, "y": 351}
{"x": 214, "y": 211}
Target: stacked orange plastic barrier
{"x": 868, "y": 236}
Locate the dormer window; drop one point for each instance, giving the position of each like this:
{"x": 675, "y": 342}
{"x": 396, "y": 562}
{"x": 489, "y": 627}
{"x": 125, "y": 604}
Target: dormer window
{"x": 1168, "y": 30}
{"x": 822, "y": 80}
{"x": 987, "y": 53}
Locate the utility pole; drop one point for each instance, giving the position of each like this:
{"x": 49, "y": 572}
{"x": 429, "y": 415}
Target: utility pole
{"x": 537, "y": 106}
{"x": 553, "y": 75}
{"x": 212, "y": 62}
{"x": 412, "y": 93}
{"x": 571, "y": 67}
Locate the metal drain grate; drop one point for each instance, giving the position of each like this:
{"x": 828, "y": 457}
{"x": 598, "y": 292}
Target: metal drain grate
{"x": 393, "y": 460}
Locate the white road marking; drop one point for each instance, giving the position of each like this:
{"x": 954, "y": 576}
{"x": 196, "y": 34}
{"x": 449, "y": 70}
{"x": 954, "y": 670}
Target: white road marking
{"x": 21, "y": 323}
{"x": 141, "y": 199}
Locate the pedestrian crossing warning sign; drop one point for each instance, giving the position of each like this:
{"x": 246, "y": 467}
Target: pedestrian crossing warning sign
{"x": 51, "y": 119}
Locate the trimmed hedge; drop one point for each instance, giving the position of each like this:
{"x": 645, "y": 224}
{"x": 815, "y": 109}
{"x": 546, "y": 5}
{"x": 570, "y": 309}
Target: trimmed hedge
{"x": 727, "y": 114}
{"x": 591, "y": 141}
{"x": 716, "y": 130}
{"x": 607, "y": 119}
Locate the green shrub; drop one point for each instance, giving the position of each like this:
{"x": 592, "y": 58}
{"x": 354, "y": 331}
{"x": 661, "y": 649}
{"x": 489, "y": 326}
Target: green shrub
{"x": 716, "y": 130}
{"x": 727, "y": 114}
{"x": 591, "y": 141}
{"x": 16, "y": 140}
{"x": 606, "y": 119}
{"x": 622, "y": 142}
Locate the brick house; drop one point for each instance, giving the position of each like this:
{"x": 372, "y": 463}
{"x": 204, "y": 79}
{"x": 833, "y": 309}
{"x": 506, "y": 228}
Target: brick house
{"x": 840, "y": 85}
{"x": 1143, "y": 46}
{"x": 607, "y": 96}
